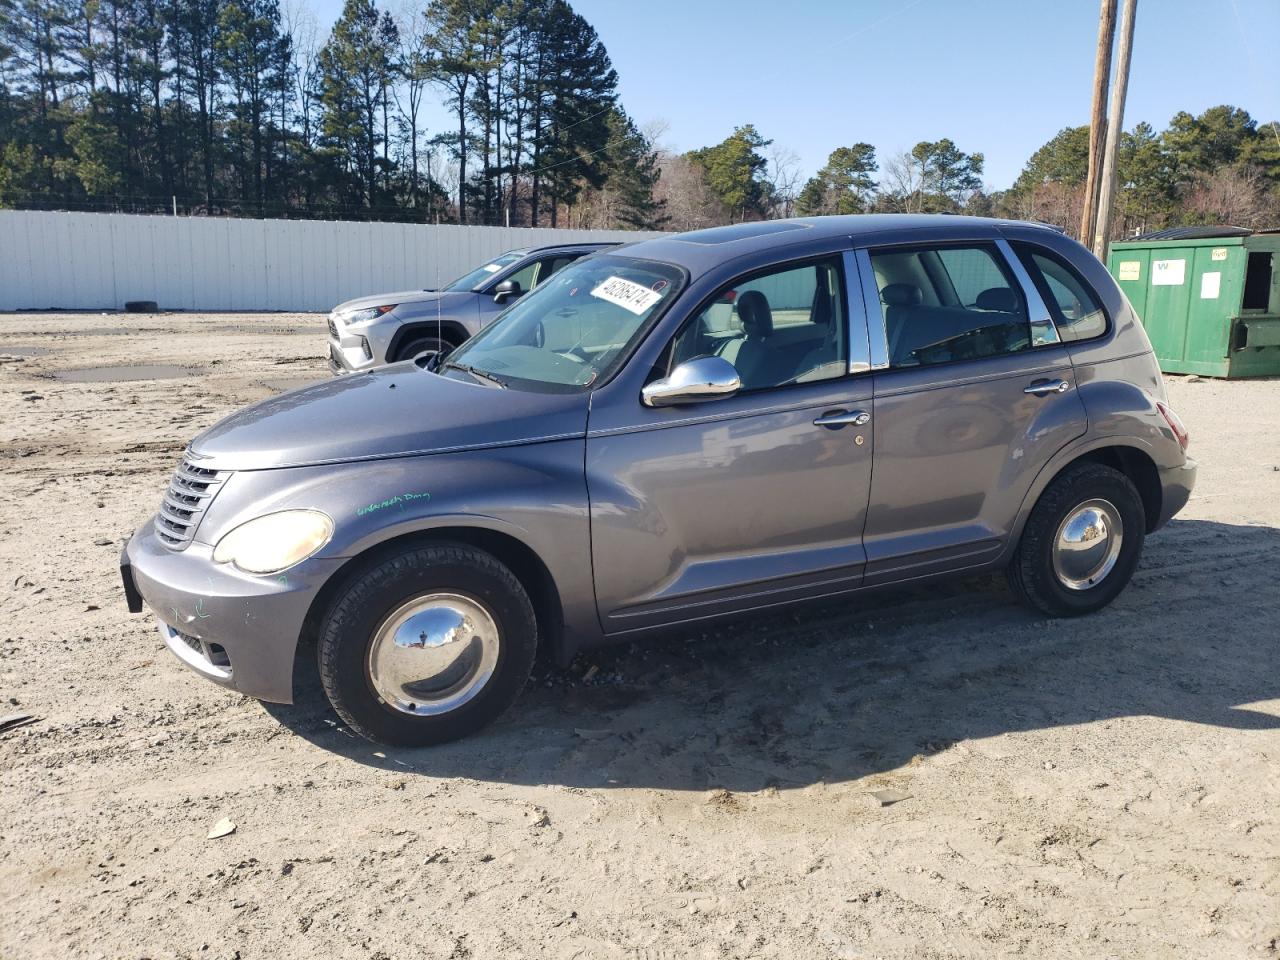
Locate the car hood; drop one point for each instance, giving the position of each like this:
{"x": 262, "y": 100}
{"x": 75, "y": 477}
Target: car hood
{"x": 400, "y": 410}
{"x": 403, "y": 296}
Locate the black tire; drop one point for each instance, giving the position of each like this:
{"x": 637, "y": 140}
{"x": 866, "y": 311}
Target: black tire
{"x": 352, "y": 621}
{"x": 1031, "y": 573}
{"x": 421, "y": 345}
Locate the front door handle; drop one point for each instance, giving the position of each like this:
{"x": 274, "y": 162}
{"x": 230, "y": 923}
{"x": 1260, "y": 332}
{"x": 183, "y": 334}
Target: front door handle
{"x": 839, "y": 418}
{"x": 1042, "y": 388}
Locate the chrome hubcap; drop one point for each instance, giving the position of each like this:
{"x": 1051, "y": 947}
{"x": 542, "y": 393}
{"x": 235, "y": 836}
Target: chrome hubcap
{"x": 433, "y": 654}
{"x": 1087, "y": 545}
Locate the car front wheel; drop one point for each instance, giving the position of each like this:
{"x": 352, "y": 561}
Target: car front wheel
{"x": 1081, "y": 543}
{"x": 427, "y": 645}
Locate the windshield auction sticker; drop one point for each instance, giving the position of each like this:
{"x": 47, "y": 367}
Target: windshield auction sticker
{"x": 628, "y": 295}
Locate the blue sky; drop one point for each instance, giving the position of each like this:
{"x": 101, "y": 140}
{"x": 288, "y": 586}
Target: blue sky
{"x": 996, "y": 76}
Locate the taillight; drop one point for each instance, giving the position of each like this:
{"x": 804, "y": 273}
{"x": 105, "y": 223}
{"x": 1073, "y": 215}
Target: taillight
{"x": 1175, "y": 424}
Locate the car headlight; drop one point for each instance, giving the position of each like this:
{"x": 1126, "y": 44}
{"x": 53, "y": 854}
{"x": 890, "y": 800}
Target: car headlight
{"x": 369, "y": 313}
{"x": 274, "y": 542}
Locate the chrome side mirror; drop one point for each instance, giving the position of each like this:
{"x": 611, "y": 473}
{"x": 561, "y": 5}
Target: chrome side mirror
{"x": 705, "y": 378}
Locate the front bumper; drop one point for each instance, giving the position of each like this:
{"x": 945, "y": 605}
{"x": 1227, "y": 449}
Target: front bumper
{"x": 1176, "y": 484}
{"x": 235, "y": 629}
{"x": 349, "y": 352}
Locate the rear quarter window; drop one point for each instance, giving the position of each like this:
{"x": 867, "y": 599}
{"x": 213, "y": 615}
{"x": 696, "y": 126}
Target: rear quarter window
{"x": 1077, "y": 309}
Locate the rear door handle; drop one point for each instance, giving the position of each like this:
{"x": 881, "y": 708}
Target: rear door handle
{"x": 839, "y": 418}
{"x": 1042, "y": 388}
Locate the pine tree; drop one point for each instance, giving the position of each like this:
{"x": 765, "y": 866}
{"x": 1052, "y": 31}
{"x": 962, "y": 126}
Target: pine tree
{"x": 355, "y": 69}
{"x": 251, "y": 49}
{"x": 573, "y": 90}
{"x": 630, "y": 168}
{"x": 734, "y": 169}
{"x": 844, "y": 185}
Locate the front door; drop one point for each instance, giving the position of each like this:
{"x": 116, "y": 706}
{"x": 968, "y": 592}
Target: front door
{"x": 977, "y": 395}
{"x": 740, "y": 502}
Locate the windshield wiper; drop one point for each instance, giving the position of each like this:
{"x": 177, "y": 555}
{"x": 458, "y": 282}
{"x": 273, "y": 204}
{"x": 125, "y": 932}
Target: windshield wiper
{"x": 478, "y": 374}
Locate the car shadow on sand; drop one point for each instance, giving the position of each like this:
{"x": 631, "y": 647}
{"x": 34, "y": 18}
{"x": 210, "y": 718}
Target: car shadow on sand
{"x": 837, "y": 691}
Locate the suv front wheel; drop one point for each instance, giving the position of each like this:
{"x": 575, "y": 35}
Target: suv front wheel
{"x": 1081, "y": 543}
{"x": 428, "y": 644}
{"x": 422, "y": 345}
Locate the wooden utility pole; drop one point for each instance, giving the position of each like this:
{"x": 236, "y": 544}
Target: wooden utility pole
{"x": 1097, "y": 118}
{"x": 1115, "y": 127}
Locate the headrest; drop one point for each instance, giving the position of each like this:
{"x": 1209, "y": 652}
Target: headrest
{"x": 754, "y": 312}
{"x": 901, "y": 295}
{"x": 998, "y": 298}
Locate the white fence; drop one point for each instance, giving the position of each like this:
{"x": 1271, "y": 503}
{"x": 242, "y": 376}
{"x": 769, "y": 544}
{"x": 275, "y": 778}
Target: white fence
{"x": 97, "y": 261}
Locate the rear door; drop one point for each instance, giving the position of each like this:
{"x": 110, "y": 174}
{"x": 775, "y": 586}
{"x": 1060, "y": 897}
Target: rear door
{"x": 976, "y": 394}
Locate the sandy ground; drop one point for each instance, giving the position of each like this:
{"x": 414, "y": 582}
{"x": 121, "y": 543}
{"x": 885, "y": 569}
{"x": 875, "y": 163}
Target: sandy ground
{"x": 1108, "y": 787}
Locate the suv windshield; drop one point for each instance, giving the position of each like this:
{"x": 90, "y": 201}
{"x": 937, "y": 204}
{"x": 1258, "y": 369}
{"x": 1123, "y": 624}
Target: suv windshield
{"x": 571, "y": 330}
{"x": 480, "y": 274}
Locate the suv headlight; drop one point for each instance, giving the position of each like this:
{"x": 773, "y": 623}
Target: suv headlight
{"x": 367, "y": 314}
{"x": 274, "y": 542}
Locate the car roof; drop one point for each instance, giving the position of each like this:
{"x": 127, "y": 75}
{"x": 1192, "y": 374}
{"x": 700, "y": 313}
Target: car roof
{"x": 699, "y": 250}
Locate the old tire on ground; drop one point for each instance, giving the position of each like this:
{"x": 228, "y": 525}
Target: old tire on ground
{"x": 141, "y": 306}
{"x": 1081, "y": 543}
{"x": 421, "y": 345}
{"x": 426, "y": 645}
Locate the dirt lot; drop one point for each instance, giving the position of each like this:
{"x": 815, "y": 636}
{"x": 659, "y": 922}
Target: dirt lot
{"x": 1108, "y": 787}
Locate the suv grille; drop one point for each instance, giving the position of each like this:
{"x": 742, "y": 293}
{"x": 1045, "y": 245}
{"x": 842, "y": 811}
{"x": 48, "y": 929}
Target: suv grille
{"x": 333, "y": 329}
{"x": 190, "y": 492}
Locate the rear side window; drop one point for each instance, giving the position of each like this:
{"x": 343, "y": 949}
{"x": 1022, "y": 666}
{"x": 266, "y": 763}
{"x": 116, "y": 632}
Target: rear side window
{"x": 949, "y": 303}
{"x": 555, "y": 265}
{"x": 1077, "y": 313}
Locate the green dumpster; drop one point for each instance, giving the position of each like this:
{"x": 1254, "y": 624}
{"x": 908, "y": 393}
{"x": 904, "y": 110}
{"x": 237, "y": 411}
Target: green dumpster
{"x": 1208, "y": 297}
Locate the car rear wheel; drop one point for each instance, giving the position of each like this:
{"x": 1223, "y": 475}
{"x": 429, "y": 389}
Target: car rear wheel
{"x": 427, "y": 645}
{"x": 422, "y": 345}
{"x": 1081, "y": 543}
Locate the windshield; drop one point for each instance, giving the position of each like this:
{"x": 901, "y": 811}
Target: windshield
{"x": 570, "y": 331}
{"x": 480, "y": 274}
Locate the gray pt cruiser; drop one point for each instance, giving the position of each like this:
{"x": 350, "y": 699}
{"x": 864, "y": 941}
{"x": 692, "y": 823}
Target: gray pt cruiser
{"x": 685, "y": 428}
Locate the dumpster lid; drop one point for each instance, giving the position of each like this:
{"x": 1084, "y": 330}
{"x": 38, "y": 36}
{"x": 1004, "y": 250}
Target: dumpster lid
{"x": 1202, "y": 232}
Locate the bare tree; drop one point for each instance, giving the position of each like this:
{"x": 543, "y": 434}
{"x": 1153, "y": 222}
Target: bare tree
{"x": 1236, "y": 195}
{"x": 1052, "y": 201}
{"x": 689, "y": 201}
{"x": 900, "y": 184}
{"x": 301, "y": 26}
{"x": 784, "y": 178}
{"x": 417, "y": 70}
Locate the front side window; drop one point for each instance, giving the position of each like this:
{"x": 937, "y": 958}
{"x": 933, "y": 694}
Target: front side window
{"x": 1076, "y": 311}
{"x": 778, "y": 328}
{"x": 946, "y": 304}
{"x": 536, "y": 272}
{"x": 574, "y": 329}
{"x": 482, "y": 274}
{"x": 527, "y": 276}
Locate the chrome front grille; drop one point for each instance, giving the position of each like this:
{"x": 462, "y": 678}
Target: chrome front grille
{"x": 190, "y": 492}
{"x": 333, "y": 329}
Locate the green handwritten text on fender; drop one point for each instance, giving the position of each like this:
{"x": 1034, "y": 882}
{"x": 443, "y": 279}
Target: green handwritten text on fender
{"x": 399, "y": 500}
